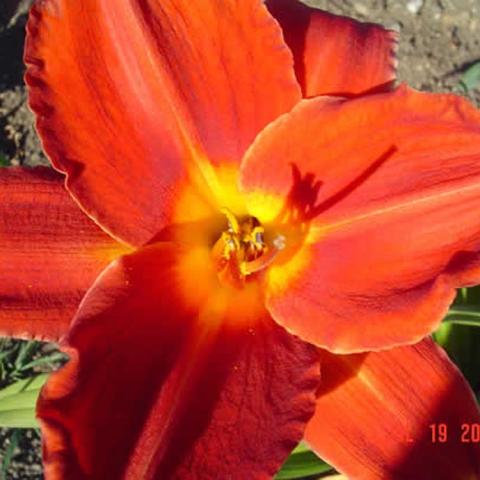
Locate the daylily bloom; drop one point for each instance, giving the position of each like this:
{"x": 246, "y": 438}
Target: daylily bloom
{"x": 222, "y": 238}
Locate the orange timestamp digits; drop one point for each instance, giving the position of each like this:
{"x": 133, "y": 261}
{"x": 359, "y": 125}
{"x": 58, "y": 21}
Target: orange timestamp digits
{"x": 469, "y": 433}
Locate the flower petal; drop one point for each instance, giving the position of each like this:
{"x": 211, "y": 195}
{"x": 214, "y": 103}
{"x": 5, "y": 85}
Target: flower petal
{"x": 398, "y": 414}
{"x": 336, "y": 55}
{"x": 50, "y": 253}
{"x": 388, "y": 189}
{"x": 133, "y": 97}
{"x": 167, "y": 381}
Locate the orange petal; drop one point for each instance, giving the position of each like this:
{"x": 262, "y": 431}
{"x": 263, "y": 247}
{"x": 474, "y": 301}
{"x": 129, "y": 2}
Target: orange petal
{"x": 405, "y": 413}
{"x": 167, "y": 381}
{"x": 50, "y": 254}
{"x": 336, "y": 55}
{"x": 133, "y": 97}
{"x": 387, "y": 189}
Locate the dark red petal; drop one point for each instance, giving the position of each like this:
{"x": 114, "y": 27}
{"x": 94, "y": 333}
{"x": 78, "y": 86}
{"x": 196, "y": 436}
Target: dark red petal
{"x": 336, "y": 55}
{"x": 167, "y": 381}
{"x": 50, "y": 253}
{"x": 135, "y": 98}
{"x": 405, "y": 413}
{"x": 388, "y": 190}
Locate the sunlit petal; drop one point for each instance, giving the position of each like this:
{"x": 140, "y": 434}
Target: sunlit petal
{"x": 136, "y": 99}
{"x": 385, "y": 192}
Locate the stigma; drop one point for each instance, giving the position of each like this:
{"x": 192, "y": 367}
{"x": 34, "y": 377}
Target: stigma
{"x": 242, "y": 250}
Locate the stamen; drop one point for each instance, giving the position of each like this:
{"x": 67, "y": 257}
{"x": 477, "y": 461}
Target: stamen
{"x": 247, "y": 268}
{"x": 233, "y": 225}
{"x": 242, "y": 250}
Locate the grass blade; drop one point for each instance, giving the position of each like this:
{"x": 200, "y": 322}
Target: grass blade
{"x": 7, "y": 459}
{"x": 462, "y": 315}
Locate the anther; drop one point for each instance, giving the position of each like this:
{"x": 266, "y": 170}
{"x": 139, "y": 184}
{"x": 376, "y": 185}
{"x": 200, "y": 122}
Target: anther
{"x": 242, "y": 249}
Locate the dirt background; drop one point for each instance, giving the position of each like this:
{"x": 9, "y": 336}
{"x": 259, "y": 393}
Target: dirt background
{"x": 439, "y": 40}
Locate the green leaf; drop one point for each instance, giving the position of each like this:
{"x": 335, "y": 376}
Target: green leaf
{"x": 469, "y": 296}
{"x": 3, "y": 160}
{"x": 302, "y": 464}
{"x": 17, "y": 403}
{"x": 459, "y": 335}
{"x": 19, "y": 418}
{"x": 25, "y": 385}
{"x": 442, "y": 334}
{"x": 300, "y": 448}
{"x": 471, "y": 77}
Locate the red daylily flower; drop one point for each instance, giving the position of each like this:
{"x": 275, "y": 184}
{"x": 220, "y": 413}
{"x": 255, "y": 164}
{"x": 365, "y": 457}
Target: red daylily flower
{"x": 240, "y": 239}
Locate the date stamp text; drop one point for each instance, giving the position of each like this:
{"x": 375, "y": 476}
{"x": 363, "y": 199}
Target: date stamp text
{"x": 469, "y": 433}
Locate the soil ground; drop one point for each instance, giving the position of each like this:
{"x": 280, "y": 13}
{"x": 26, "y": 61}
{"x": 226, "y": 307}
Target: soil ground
{"x": 439, "y": 40}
